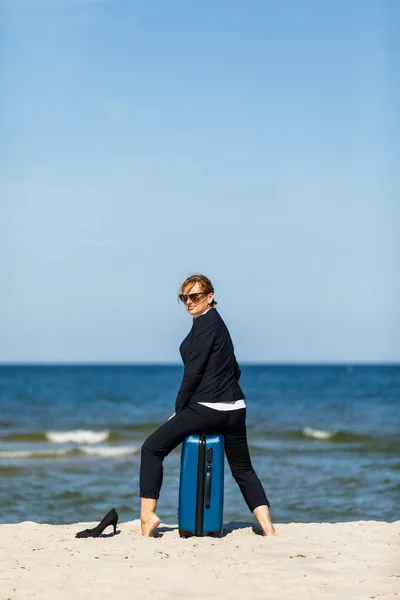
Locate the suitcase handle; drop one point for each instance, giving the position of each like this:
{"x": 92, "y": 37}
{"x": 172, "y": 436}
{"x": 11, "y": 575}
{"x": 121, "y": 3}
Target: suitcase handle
{"x": 208, "y": 486}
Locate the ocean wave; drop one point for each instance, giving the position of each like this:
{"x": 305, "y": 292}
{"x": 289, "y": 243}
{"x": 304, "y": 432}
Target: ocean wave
{"x": 125, "y": 437}
{"x": 338, "y": 436}
{"x": 104, "y": 451}
{"x": 319, "y": 434}
{"x": 34, "y": 453}
{"x": 77, "y": 436}
{"x": 334, "y": 436}
{"x": 117, "y": 433}
{"x": 24, "y": 437}
{"x": 108, "y": 451}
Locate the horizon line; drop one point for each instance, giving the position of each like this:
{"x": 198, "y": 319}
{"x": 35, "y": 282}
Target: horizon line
{"x": 179, "y": 364}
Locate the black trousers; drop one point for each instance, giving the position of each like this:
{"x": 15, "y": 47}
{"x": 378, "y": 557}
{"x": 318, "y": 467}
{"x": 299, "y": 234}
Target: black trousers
{"x": 197, "y": 418}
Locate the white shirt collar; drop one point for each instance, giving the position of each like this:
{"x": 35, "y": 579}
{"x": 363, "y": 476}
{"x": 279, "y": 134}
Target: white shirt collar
{"x": 206, "y": 311}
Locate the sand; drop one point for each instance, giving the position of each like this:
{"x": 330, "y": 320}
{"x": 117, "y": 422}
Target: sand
{"x": 345, "y": 561}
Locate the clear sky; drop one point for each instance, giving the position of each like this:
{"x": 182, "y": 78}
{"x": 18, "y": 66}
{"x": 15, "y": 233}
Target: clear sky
{"x": 254, "y": 141}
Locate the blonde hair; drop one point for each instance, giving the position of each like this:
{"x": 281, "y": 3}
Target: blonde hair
{"x": 203, "y": 281}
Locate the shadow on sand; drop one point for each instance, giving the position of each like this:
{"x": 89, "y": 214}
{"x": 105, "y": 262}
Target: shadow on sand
{"x": 107, "y": 535}
{"x": 227, "y": 528}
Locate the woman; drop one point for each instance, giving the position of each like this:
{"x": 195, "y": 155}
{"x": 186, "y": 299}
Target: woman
{"x": 209, "y": 400}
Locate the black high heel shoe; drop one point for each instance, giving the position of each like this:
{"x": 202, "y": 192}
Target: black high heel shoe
{"x": 111, "y": 518}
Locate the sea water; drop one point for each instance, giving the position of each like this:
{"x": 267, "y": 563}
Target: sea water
{"x": 324, "y": 440}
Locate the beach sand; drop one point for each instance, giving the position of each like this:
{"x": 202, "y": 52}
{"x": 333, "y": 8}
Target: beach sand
{"x": 345, "y": 561}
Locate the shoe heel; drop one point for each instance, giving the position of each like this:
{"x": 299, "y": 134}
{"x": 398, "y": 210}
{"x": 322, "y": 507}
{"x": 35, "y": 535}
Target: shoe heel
{"x": 111, "y": 518}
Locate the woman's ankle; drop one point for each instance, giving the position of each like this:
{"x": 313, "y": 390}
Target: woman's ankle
{"x": 145, "y": 517}
{"x": 263, "y": 517}
{"x": 147, "y": 508}
{"x": 149, "y": 524}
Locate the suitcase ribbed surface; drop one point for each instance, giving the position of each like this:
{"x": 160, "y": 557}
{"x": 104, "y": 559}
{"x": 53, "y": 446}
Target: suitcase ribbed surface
{"x": 201, "y": 488}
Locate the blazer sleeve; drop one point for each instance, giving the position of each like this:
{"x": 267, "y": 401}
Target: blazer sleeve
{"x": 203, "y": 337}
{"x": 238, "y": 372}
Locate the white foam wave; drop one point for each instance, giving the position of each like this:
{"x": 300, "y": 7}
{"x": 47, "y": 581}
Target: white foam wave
{"x": 319, "y": 434}
{"x": 33, "y": 453}
{"x": 77, "y": 436}
{"x": 105, "y": 451}
{"x": 109, "y": 451}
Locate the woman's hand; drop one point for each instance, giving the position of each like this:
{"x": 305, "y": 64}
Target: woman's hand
{"x": 172, "y": 416}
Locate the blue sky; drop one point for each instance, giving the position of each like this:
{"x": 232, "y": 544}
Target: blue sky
{"x": 256, "y": 142}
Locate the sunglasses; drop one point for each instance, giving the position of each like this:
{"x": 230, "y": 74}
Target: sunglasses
{"x": 193, "y": 297}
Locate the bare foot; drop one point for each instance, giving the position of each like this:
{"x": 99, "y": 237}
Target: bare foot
{"x": 268, "y": 530}
{"x": 150, "y": 524}
{"x": 264, "y": 519}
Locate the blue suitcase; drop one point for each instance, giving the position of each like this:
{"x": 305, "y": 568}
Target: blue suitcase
{"x": 201, "y": 487}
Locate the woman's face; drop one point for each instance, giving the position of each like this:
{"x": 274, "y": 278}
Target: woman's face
{"x": 200, "y": 304}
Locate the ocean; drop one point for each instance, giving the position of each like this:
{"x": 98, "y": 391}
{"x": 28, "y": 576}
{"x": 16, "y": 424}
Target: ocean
{"x": 324, "y": 440}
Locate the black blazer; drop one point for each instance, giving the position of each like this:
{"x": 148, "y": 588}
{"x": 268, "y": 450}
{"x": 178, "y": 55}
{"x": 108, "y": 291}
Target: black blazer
{"x": 211, "y": 372}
